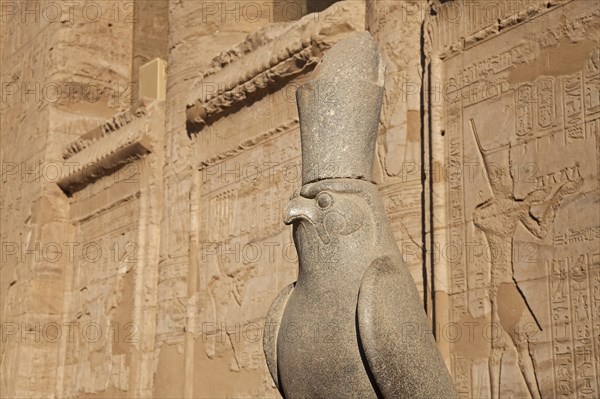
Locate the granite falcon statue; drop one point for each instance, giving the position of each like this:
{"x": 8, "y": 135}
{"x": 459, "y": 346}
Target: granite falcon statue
{"x": 352, "y": 325}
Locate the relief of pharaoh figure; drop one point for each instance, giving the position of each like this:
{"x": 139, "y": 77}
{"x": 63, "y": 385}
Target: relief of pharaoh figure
{"x": 353, "y": 324}
{"x": 498, "y": 218}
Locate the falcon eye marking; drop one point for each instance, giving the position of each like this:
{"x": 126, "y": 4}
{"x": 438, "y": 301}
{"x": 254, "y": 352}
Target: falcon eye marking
{"x": 324, "y": 200}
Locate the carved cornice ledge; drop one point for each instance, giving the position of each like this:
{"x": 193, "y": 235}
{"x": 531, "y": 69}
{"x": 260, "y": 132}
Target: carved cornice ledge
{"x": 112, "y": 125}
{"x": 247, "y": 144}
{"x": 105, "y": 149}
{"x": 266, "y": 61}
{"x": 501, "y": 25}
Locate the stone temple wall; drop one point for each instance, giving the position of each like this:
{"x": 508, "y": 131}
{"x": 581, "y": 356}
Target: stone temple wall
{"x": 143, "y": 242}
{"x": 521, "y": 142}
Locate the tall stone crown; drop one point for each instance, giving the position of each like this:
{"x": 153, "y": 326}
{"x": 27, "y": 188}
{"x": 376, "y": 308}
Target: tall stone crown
{"x": 339, "y": 111}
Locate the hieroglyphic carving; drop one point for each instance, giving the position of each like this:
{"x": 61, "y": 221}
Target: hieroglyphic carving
{"x": 546, "y": 102}
{"x": 524, "y": 110}
{"x": 542, "y": 145}
{"x": 461, "y": 365}
{"x": 573, "y": 288}
{"x": 573, "y": 106}
{"x": 403, "y": 206}
{"x": 571, "y": 236}
{"x": 591, "y": 95}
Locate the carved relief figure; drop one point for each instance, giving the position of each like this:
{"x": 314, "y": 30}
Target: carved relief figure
{"x": 352, "y": 325}
{"x": 498, "y": 218}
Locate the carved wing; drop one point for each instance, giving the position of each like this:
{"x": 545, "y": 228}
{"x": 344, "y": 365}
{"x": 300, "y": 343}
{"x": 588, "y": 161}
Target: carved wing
{"x": 271, "y": 330}
{"x": 395, "y": 336}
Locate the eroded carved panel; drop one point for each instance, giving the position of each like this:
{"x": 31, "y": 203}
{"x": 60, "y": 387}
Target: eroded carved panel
{"x": 245, "y": 253}
{"x": 100, "y": 301}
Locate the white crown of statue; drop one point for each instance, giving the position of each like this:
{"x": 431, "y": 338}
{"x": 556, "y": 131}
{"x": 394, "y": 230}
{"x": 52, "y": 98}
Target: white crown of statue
{"x": 339, "y": 121}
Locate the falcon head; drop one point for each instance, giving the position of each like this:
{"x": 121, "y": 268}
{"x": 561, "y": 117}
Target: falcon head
{"x": 332, "y": 207}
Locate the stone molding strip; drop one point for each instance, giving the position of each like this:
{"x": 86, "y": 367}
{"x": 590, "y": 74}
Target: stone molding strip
{"x": 265, "y": 62}
{"x": 247, "y": 144}
{"x": 502, "y": 24}
{"x": 107, "y": 148}
{"x": 113, "y": 124}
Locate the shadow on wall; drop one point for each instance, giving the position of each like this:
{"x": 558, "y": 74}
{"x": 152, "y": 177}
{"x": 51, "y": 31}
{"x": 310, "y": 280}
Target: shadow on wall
{"x": 289, "y": 10}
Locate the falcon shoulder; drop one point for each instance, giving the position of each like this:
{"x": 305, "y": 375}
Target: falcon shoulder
{"x": 395, "y": 335}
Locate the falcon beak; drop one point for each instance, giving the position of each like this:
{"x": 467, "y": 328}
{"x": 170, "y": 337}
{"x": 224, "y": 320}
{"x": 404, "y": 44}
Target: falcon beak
{"x": 300, "y": 208}
{"x": 297, "y": 209}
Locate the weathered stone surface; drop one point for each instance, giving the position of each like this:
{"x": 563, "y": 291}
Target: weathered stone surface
{"x": 58, "y": 81}
{"x": 202, "y": 207}
{"x": 401, "y": 153}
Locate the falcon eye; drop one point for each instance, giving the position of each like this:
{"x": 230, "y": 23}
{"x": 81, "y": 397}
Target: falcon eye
{"x": 324, "y": 200}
